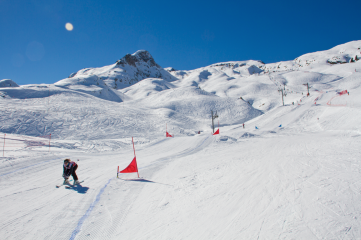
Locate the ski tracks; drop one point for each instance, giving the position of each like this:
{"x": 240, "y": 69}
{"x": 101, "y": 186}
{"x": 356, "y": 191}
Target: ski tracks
{"x": 106, "y": 215}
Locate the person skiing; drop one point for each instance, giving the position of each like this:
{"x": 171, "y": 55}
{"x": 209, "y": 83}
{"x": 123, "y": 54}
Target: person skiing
{"x": 70, "y": 168}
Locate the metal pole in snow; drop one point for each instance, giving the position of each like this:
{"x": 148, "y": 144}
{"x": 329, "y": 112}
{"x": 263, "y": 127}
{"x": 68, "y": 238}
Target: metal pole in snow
{"x": 133, "y": 146}
{"x": 308, "y": 90}
{"x": 212, "y": 121}
{"x": 214, "y": 117}
{"x": 136, "y": 164}
{"x": 4, "y": 146}
{"x": 281, "y": 90}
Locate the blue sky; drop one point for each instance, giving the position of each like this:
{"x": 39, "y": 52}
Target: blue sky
{"x": 36, "y": 48}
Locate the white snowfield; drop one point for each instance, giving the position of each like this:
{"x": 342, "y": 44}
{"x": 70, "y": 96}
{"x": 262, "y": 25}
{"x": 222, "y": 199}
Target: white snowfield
{"x": 292, "y": 172}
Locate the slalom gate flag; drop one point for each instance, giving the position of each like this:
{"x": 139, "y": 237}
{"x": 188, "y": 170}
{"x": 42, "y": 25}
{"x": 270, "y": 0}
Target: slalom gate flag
{"x": 217, "y": 132}
{"x": 339, "y": 94}
{"x": 280, "y": 125}
{"x": 132, "y": 167}
{"x": 166, "y": 131}
{"x": 343, "y": 92}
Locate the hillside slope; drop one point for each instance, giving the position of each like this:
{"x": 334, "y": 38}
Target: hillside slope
{"x": 291, "y": 172}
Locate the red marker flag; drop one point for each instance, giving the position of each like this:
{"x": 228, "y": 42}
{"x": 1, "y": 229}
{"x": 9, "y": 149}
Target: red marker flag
{"x": 343, "y": 92}
{"x": 217, "y": 132}
{"x": 132, "y": 167}
{"x": 166, "y": 132}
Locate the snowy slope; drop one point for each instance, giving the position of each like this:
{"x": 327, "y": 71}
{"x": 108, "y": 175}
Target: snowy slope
{"x": 296, "y": 176}
{"x": 71, "y": 115}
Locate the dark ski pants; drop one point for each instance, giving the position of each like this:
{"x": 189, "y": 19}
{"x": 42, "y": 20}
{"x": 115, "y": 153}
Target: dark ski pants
{"x": 75, "y": 177}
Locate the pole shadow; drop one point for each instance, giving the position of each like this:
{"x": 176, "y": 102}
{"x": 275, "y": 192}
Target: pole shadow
{"x": 143, "y": 180}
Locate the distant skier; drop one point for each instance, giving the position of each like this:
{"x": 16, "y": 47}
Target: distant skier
{"x": 243, "y": 125}
{"x": 70, "y": 168}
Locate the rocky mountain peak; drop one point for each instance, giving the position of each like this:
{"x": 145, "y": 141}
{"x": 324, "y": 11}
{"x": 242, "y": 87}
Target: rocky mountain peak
{"x": 140, "y": 56}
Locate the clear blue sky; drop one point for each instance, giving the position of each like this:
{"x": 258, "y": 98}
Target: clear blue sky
{"x": 36, "y": 48}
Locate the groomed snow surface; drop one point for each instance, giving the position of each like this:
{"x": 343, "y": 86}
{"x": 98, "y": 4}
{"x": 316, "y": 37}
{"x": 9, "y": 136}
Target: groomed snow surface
{"x": 293, "y": 172}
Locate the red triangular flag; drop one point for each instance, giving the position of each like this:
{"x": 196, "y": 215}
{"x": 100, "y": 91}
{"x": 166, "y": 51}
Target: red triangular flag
{"x": 167, "y": 134}
{"x": 217, "y": 132}
{"x": 343, "y": 92}
{"x": 132, "y": 167}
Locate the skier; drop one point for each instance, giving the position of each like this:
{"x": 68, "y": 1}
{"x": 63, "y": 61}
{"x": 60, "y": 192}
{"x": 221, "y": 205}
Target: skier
{"x": 70, "y": 168}
{"x": 243, "y": 125}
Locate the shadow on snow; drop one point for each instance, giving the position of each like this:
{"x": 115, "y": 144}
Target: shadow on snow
{"x": 79, "y": 188}
{"x": 143, "y": 180}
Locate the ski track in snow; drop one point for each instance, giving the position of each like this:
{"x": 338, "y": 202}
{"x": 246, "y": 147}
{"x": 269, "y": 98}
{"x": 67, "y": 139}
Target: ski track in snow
{"x": 90, "y": 209}
{"x": 27, "y": 167}
{"x": 127, "y": 206}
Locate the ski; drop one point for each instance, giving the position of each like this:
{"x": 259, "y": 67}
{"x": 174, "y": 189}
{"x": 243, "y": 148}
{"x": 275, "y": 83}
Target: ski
{"x": 67, "y": 184}
{"x": 73, "y": 185}
{"x": 58, "y": 186}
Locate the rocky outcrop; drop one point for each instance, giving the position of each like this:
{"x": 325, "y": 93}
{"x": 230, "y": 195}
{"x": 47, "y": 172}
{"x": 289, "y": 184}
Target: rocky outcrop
{"x": 170, "y": 69}
{"x": 138, "y": 57}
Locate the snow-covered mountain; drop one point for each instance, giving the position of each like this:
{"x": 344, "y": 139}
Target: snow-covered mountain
{"x": 104, "y": 82}
{"x": 345, "y": 53}
{"x": 139, "y": 78}
{"x": 7, "y": 83}
{"x": 238, "y": 90}
{"x": 290, "y": 172}
{"x": 125, "y": 72}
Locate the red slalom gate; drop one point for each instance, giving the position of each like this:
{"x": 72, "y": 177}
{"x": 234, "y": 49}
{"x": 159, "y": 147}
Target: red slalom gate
{"x": 339, "y": 94}
{"x": 217, "y": 132}
{"x": 342, "y": 92}
{"x": 132, "y": 167}
{"x": 166, "y": 132}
